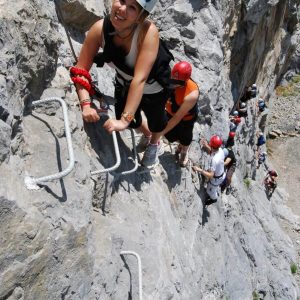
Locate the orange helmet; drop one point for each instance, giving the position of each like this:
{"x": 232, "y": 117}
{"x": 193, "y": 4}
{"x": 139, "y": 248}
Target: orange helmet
{"x": 182, "y": 71}
{"x": 215, "y": 142}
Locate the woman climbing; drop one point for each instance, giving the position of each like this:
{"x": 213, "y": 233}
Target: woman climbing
{"x": 132, "y": 47}
{"x": 182, "y": 110}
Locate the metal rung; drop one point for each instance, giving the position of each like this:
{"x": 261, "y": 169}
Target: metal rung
{"x": 139, "y": 270}
{"x": 136, "y": 163}
{"x": 31, "y": 182}
{"x": 117, "y": 153}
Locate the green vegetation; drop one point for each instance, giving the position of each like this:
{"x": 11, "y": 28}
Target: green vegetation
{"x": 247, "y": 182}
{"x": 255, "y": 295}
{"x": 296, "y": 79}
{"x": 291, "y": 89}
{"x": 294, "y": 268}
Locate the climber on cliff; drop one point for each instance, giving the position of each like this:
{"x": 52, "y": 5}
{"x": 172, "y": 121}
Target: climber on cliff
{"x": 270, "y": 181}
{"x": 260, "y": 141}
{"x": 261, "y": 106}
{"x": 230, "y": 165}
{"x": 242, "y": 109}
{"x": 234, "y": 122}
{"x": 131, "y": 45}
{"x": 182, "y": 110}
{"x": 234, "y": 115}
{"x": 253, "y": 90}
{"x": 249, "y": 92}
{"x": 215, "y": 172}
{"x": 261, "y": 159}
{"x": 230, "y": 140}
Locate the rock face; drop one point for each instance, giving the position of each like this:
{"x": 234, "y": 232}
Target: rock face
{"x": 64, "y": 241}
{"x": 284, "y": 117}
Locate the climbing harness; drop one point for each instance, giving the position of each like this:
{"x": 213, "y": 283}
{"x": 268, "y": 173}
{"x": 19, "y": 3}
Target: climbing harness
{"x": 217, "y": 177}
{"x": 160, "y": 72}
{"x": 31, "y": 182}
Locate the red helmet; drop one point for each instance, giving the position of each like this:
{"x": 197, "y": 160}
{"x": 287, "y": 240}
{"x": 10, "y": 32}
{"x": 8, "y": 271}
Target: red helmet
{"x": 231, "y": 134}
{"x": 215, "y": 142}
{"x": 182, "y": 71}
{"x": 237, "y": 120}
{"x": 273, "y": 173}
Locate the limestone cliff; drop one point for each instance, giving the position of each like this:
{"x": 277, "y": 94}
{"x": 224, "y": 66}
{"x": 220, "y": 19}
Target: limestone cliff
{"x": 64, "y": 241}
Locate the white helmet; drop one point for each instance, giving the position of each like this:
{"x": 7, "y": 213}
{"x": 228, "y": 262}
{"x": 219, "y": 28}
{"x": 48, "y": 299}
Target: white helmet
{"x": 235, "y": 113}
{"x": 147, "y": 5}
{"x": 254, "y": 86}
{"x": 243, "y": 105}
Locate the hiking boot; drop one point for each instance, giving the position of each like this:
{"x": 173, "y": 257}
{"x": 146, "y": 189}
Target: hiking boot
{"x": 151, "y": 154}
{"x": 228, "y": 190}
{"x": 210, "y": 201}
{"x": 184, "y": 158}
{"x": 143, "y": 143}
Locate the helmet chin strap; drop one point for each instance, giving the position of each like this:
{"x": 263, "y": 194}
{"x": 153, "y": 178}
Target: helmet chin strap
{"x": 131, "y": 27}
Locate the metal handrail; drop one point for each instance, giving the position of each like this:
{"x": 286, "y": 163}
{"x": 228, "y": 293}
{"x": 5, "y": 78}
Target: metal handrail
{"x": 117, "y": 153}
{"x": 136, "y": 163}
{"x": 139, "y": 270}
{"x": 31, "y": 182}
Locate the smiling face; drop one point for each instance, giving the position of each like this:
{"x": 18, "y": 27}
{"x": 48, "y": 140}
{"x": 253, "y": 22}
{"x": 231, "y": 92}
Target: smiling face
{"x": 124, "y": 13}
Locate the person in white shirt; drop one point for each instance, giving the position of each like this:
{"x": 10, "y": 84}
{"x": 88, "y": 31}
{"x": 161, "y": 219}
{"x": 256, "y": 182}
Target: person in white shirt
{"x": 215, "y": 172}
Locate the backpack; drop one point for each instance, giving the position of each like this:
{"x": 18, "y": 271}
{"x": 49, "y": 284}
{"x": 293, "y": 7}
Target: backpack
{"x": 160, "y": 72}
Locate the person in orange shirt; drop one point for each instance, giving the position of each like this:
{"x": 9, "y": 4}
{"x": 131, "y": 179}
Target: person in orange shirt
{"x": 182, "y": 110}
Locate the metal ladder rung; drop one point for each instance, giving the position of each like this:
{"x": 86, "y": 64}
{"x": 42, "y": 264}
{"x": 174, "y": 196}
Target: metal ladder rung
{"x": 117, "y": 153}
{"x": 139, "y": 270}
{"x": 31, "y": 182}
{"x": 136, "y": 163}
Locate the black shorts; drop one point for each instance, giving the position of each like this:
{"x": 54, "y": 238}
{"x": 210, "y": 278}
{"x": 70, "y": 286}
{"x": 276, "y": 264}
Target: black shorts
{"x": 182, "y": 132}
{"x": 153, "y": 105}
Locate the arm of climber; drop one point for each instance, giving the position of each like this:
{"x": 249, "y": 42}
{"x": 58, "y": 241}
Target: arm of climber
{"x": 227, "y": 161}
{"x": 208, "y": 174}
{"x": 205, "y": 146}
{"x": 88, "y": 51}
{"x": 189, "y": 102}
{"x": 145, "y": 60}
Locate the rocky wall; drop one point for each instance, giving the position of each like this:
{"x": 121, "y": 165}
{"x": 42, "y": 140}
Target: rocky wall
{"x": 64, "y": 241}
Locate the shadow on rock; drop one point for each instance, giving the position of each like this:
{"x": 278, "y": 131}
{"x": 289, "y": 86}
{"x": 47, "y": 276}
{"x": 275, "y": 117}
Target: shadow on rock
{"x": 64, "y": 197}
{"x": 174, "y": 171}
{"x": 102, "y": 144}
